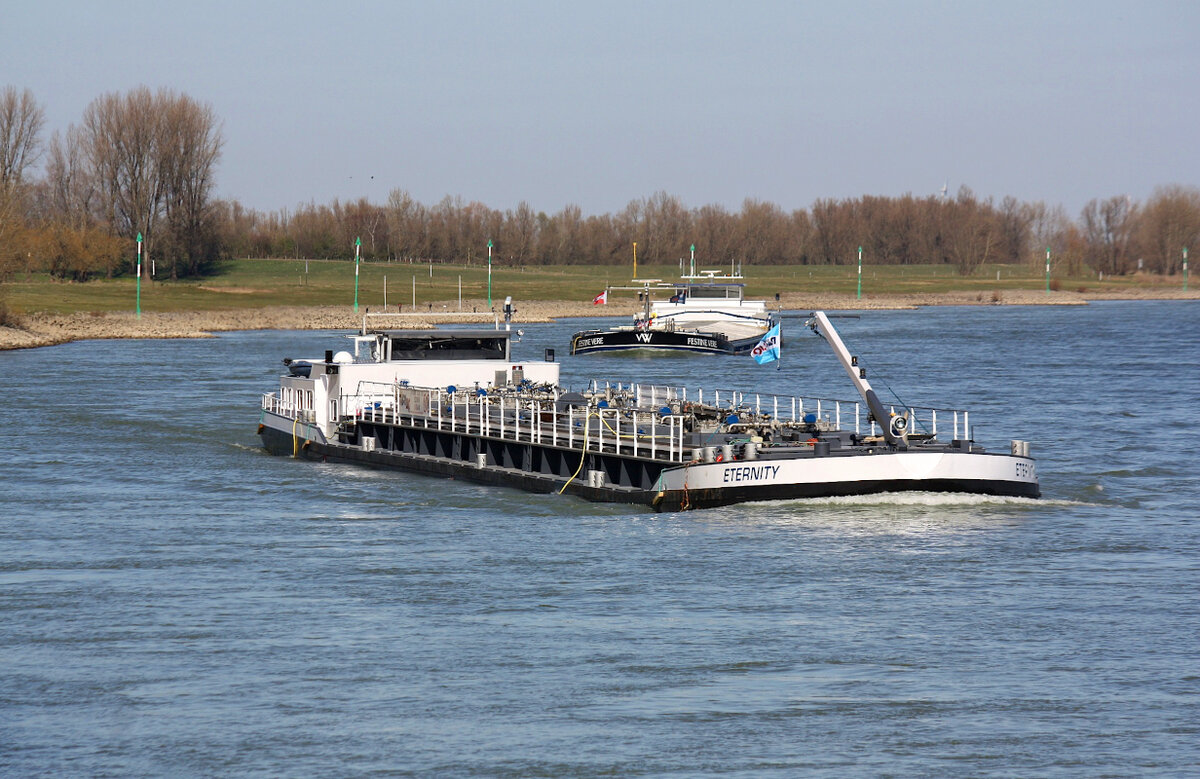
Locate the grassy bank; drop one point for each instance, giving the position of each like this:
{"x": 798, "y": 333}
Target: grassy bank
{"x": 249, "y": 284}
{"x": 291, "y": 294}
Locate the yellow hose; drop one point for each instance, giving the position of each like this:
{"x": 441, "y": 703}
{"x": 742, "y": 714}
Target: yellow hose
{"x": 582, "y": 454}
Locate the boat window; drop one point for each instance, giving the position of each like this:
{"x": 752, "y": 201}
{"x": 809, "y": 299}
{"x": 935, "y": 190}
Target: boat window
{"x": 458, "y": 348}
{"x": 711, "y": 293}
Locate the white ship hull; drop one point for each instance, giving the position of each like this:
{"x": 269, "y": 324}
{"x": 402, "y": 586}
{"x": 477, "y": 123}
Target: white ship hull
{"x": 719, "y": 483}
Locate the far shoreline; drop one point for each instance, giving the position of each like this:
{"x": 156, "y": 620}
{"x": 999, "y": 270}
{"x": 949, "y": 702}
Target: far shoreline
{"x": 42, "y": 329}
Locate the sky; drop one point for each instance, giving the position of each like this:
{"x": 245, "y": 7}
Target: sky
{"x": 600, "y": 104}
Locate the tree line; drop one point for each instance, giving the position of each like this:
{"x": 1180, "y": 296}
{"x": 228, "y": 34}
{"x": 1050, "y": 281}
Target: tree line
{"x": 144, "y": 162}
{"x": 138, "y": 163}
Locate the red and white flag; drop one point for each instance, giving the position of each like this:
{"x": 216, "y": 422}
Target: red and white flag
{"x": 601, "y": 299}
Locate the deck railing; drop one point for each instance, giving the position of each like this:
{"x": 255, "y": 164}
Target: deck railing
{"x": 642, "y": 420}
{"x": 840, "y": 414}
{"x": 537, "y": 417}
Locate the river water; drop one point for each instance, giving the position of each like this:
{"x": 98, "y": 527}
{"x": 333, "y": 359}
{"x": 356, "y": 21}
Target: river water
{"x": 173, "y": 601}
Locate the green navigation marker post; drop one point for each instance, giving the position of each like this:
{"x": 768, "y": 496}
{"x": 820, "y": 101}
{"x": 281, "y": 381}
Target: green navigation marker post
{"x": 1185, "y": 269}
{"x": 693, "y": 259}
{"x": 357, "y": 246}
{"x": 489, "y": 273}
{"x": 1047, "y": 270}
{"x": 139, "y": 276}
{"x": 860, "y": 273}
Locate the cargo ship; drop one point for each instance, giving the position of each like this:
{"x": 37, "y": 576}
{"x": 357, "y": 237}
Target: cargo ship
{"x": 454, "y": 403}
{"x": 704, "y": 313}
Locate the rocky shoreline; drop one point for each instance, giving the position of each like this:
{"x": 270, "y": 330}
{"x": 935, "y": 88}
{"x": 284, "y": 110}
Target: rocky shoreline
{"x": 36, "y": 330}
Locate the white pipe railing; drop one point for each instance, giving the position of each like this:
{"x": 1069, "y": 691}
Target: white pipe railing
{"x": 499, "y": 414}
{"x": 523, "y": 418}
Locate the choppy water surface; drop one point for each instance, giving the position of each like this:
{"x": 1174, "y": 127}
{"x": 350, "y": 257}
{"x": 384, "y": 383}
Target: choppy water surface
{"x": 175, "y": 602}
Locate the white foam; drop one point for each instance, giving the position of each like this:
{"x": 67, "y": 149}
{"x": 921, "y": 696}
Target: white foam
{"x": 932, "y": 499}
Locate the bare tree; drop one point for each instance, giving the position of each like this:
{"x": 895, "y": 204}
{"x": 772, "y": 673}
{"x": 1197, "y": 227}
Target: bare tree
{"x": 473, "y": 229}
{"x": 186, "y": 151}
{"x": 21, "y": 122}
{"x": 520, "y": 236}
{"x": 1169, "y": 223}
{"x": 120, "y": 133}
{"x": 763, "y": 233}
{"x": 72, "y": 189}
{"x": 1107, "y": 226}
{"x": 1016, "y": 219}
{"x": 971, "y": 232}
{"x": 832, "y": 232}
{"x": 667, "y": 225}
{"x": 153, "y": 159}
{"x": 715, "y": 232}
{"x": 408, "y": 225}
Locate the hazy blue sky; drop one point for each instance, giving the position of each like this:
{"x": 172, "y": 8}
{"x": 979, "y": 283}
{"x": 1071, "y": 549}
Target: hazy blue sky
{"x": 598, "y": 104}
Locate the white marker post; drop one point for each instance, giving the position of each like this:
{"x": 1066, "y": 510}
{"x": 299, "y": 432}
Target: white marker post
{"x": 139, "y": 276}
{"x": 860, "y": 273}
{"x": 357, "y": 245}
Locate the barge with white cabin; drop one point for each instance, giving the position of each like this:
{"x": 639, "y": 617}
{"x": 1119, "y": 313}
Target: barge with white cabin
{"x": 700, "y": 314}
{"x": 454, "y": 403}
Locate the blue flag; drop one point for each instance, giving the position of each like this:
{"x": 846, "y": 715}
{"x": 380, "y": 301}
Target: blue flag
{"x": 767, "y": 350}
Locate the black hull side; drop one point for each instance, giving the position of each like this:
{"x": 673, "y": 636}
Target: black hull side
{"x": 679, "y": 500}
{"x": 282, "y": 443}
{"x": 595, "y": 341}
